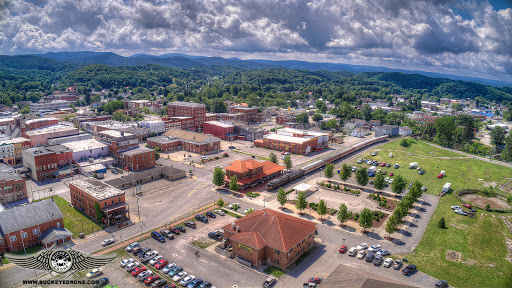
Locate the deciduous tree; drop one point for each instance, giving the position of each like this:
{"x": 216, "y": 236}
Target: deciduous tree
{"x": 301, "y": 203}
{"x": 346, "y": 172}
{"x": 343, "y": 213}
{"x": 366, "y": 219}
{"x": 218, "y": 177}
{"x": 281, "y": 196}
{"x": 322, "y": 208}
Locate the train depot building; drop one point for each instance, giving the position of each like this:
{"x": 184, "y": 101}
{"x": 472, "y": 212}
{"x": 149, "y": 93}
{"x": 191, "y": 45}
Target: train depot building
{"x": 251, "y": 173}
{"x": 295, "y": 141}
{"x": 269, "y": 236}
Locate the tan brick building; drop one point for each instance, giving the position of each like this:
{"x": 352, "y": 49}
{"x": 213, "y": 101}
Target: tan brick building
{"x": 270, "y": 236}
{"x": 86, "y": 192}
{"x": 176, "y": 140}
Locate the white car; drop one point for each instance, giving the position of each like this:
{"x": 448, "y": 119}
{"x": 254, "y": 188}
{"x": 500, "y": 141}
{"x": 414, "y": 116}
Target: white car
{"x": 107, "y": 242}
{"x": 132, "y": 266}
{"x": 374, "y": 248}
{"x": 204, "y": 157}
{"x": 126, "y": 262}
{"x": 144, "y": 274}
{"x": 455, "y": 207}
{"x": 354, "y": 168}
{"x": 185, "y": 281}
{"x": 388, "y": 262}
{"x": 179, "y": 276}
{"x": 153, "y": 261}
{"x": 362, "y": 246}
{"x": 386, "y": 180}
{"x": 220, "y": 212}
{"x": 352, "y": 251}
{"x": 361, "y": 254}
{"x": 390, "y": 181}
{"x": 94, "y": 273}
{"x": 384, "y": 252}
{"x": 168, "y": 268}
{"x": 230, "y": 206}
{"x": 374, "y": 154}
{"x": 461, "y": 212}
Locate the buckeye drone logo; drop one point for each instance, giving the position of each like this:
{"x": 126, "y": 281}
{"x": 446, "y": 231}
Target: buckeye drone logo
{"x": 60, "y": 261}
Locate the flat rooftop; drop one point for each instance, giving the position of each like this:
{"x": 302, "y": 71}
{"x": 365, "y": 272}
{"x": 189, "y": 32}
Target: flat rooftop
{"x": 97, "y": 189}
{"x": 40, "y": 120}
{"x": 51, "y": 129}
{"x": 220, "y": 124}
{"x": 85, "y": 145}
{"x": 284, "y": 138}
{"x": 115, "y": 133}
{"x": 137, "y": 151}
{"x": 186, "y": 104}
{"x": 162, "y": 139}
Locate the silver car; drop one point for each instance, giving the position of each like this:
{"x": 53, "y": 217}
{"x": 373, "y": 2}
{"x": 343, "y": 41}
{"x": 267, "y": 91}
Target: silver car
{"x": 126, "y": 262}
{"x": 132, "y": 266}
{"x": 168, "y": 268}
{"x": 143, "y": 275}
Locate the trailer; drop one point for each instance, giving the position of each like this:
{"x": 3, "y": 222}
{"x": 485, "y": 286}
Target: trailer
{"x": 447, "y": 187}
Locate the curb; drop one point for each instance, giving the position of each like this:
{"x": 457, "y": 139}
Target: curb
{"x": 7, "y": 266}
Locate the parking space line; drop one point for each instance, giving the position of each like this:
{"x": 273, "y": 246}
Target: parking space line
{"x": 197, "y": 188}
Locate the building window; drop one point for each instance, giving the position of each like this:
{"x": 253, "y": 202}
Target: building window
{"x": 2, "y": 242}
{"x": 13, "y": 238}
{"x": 35, "y": 231}
{"x": 24, "y": 235}
{"x": 276, "y": 251}
{"x": 58, "y": 224}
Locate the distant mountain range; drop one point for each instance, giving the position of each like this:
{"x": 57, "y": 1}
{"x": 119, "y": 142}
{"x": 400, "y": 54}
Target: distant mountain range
{"x": 180, "y": 60}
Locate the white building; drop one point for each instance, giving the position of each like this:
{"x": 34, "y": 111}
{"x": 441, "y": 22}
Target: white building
{"x": 156, "y": 127}
{"x": 359, "y": 132}
{"x": 83, "y": 150}
{"x": 404, "y": 131}
{"x": 323, "y": 137}
{"x": 7, "y": 153}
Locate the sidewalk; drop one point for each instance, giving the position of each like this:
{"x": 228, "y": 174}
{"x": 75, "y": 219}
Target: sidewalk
{"x": 7, "y": 266}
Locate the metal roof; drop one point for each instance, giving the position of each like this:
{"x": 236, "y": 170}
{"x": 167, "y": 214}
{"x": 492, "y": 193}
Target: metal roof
{"x": 29, "y": 215}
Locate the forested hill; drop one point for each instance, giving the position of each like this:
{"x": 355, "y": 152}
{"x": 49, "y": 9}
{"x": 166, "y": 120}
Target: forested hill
{"x": 29, "y": 74}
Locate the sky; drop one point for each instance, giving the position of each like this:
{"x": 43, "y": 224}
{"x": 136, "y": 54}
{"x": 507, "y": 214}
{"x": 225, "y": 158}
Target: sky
{"x": 462, "y": 37}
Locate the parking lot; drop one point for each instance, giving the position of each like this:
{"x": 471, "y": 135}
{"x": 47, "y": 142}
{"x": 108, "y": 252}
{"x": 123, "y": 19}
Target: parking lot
{"x": 219, "y": 271}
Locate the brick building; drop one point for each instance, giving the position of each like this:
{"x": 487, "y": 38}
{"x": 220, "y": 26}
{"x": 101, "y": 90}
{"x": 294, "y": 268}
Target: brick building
{"x": 81, "y": 119}
{"x": 182, "y": 123}
{"x": 41, "y": 136}
{"x": 247, "y": 114}
{"x": 12, "y": 185}
{"x": 48, "y": 162}
{"x": 224, "y": 131}
{"x": 137, "y": 159}
{"x": 292, "y": 144}
{"x": 86, "y": 192}
{"x": 176, "y": 140}
{"x": 7, "y": 152}
{"x": 188, "y": 109}
{"x": 118, "y": 141}
{"x": 251, "y": 173}
{"x": 40, "y": 123}
{"x": 284, "y": 119}
{"x": 136, "y": 105}
{"x": 28, "y": 225}
{"x": 269, "y": 236}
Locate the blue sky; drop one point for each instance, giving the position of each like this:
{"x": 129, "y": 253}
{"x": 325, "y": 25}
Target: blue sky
{"x": 463, "y": 37}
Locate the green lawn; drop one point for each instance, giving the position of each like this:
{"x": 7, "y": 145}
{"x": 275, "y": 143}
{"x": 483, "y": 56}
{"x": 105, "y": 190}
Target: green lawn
{"x": 74, "y": 220}
{"x": 274, "y": 271}
{"x": 481, "y": 241}
{"x": 29, "y": 250}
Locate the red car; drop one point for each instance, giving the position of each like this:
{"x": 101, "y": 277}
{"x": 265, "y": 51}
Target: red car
{"x": 343, "y": 249}
{"x": 467, "y": 205}
{"x": 151, "y": 279}
{"x": 161, "y": 264}
{"x": 390, "y": 173}
{"x": 383, "y": 164}
{"x": 440, "y": 175}
{"x": 316, "y": 280}
{"x": 174, "y": 230}
{"x": 138, "y": 270}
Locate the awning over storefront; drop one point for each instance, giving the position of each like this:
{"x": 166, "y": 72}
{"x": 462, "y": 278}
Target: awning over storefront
{"x": 53, "y": 234}
{"x": 114, "y": 207}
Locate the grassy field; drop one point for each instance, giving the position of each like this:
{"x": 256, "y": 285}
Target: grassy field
{"x": 481, "y": 241}
{"x": 461, "y": 171}
{"x": 75, "y": 221}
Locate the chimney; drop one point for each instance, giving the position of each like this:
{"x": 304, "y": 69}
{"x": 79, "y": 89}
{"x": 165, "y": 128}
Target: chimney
{"x": 233, "y": 225}
{"x": 237, "y": 228}
{"x": 264, "y": 213}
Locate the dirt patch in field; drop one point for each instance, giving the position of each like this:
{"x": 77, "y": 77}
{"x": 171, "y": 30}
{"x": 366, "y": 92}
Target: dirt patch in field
{"x": 453, "y": 256}
{"x": 481, "y": 201}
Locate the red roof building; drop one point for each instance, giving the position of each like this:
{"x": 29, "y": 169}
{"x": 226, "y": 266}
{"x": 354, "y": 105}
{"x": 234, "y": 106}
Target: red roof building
{"x": 251, "y": 173}
{"x": 270, "y": 236}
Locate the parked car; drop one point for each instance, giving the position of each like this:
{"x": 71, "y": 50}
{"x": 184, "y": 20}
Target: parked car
{"x": 126, "y": 262}
{"x": 421, "y": 172}
{"x": 423, "y": 188}
{"x": 143, "y": 251}
{"x": 132, "y": 266}
{"x": 107, "y": 242}
{"x": 466, "y": 205}
{"x": 370, "y": 256}
{"x": 174, "y": 230}
{"x": 155, "y": 260}
{"x": 383, "y": 252}
{"x": 396, "y": 166}
{"x": 361, "y": 254}
{"x": 375, "y": 248}
{"x": 210, "y": 214}
{"x": 391, "y": 174}
{"x": 359, "y": 161}
{"x": 168, "y": 268}
{"x": 269, "y": 282}
{"x": 185, "y": 281}
{"x": 316, "y": 280}
{"x": 220, "y": 212}
{"x": 159, "y": 283}
{"x": 409, "y": 270}
{"x": 190, "y": 224}
{"x": 342, "y": 249}
{"x": 354, "y": 168}
{"x": 181, "y": 228}
{"x": 201, "y": 218}
{"x": 388, "y": 262}
{"x": 136, "y": 250}
{"x": 383, "y": 164}
{"x": 455, "y": 207}
{"x": 204, "y": 158}
{"x": 441, "y": 284}
{"x": 167, "y": 233}
{"x": 175, "y": 271}
{"x": 216, "y": 236}
{"x": 158, "y": 237}
{"x": 374, "y": 154}
{"x": 138, "y": 270}
{"x": 386, "y": 179}
{"x": 205, "y": 285}
{"x": 132, "y": 246}
{"x": 151, "y": 279}
{"x": 101, "y": 283}
{"x": 352, "y": 251}
{"x": 378, "y": 260}
{"x": 461, "y": 212}
{"x": 362, "y": 246}
{"x": 195, "y": 283}
{"x": 94, "y": 273}
{"x": 144, "y": 274}
{"x": 161, "y": 264}
{"x": 398, "y": 264}
{"x": 179, "y": 276}
{"x": 388, "y": 165}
